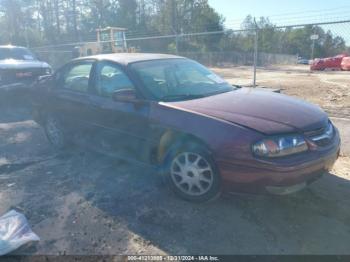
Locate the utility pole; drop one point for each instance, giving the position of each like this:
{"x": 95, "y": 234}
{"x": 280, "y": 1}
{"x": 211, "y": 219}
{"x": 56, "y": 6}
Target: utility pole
{"x": 177, "y": 43}
{"x": 26, "y": 16}
{"x": 313, "y": 38}
{"x": 74, "y": 12}
{"x": 255, "y": 51}
{"x": 174, "y": 25}
{"x": 26, "y": 35}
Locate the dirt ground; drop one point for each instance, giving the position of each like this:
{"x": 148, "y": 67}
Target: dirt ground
{"x": 329, "y": 89}
{"x": 82, "y": 203}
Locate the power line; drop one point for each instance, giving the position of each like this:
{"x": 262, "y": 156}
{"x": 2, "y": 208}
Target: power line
{"x": 286, "y": 15}
{"x": 331, "y": 15}
{"x": 194, "y": 34}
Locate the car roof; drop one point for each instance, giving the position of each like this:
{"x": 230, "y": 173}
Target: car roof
{"x": 128, "y": 58}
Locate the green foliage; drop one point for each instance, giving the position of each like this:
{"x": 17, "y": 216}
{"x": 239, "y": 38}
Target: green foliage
{"x": 294, "y": 41}
{"x": 35, "y": 22}
{"x": 51, "y": 22}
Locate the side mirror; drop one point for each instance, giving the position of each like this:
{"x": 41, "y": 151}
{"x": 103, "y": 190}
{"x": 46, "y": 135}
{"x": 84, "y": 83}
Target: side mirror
{"x": 125, "y": 95}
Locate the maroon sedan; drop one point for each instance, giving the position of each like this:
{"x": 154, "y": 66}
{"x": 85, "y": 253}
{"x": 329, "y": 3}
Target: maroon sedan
{"x": 204, "y": 135}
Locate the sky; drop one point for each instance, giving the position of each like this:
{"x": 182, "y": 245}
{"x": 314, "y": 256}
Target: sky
{"x": 283, "y": 12}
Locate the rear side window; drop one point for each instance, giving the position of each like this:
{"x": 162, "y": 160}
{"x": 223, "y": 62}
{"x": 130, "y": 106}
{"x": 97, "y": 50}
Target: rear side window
{"x": 77, "y": 77}
{"x": 16, "y": 53}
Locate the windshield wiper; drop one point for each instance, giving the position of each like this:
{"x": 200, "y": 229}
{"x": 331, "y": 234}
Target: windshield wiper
{"x": 189, "y": 97}
{"x": 180, "y": 97}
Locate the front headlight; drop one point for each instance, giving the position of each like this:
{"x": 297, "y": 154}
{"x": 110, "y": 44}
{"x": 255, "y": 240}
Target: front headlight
{"x": 280, "y": 146}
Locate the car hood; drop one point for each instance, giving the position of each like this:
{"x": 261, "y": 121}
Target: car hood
{"x": 264, "y": 111}
{"x": 22, "y": 64}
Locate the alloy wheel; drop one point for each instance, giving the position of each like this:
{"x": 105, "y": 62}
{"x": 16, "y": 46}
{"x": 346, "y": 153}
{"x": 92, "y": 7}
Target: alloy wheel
{"x": 192, "y": 174}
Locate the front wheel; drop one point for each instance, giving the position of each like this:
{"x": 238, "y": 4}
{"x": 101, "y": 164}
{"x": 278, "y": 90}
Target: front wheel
{"x": 55, "y": 132}
{"x": 193, "y": 175}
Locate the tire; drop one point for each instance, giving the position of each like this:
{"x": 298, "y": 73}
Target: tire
{"x": 192, "y": 174}
{"x": 55, "y": 132}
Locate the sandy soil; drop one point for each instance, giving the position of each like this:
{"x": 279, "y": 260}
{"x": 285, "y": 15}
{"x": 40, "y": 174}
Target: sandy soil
{"x": 84, "y": 203}
{"x": 329, "y": 89}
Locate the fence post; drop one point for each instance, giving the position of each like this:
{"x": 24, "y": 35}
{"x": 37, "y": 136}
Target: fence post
{"x": 313, "y": 49}
{"x": 177, "y": 43}
{"x": 255, "y": 51}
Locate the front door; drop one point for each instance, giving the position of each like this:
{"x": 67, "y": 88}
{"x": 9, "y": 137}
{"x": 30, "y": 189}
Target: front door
{"x": 122, "y": 126}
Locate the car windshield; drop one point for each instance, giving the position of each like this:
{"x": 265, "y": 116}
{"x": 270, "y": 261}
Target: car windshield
{"x": 16, "y": 53}
{"x": 179, "y": 79}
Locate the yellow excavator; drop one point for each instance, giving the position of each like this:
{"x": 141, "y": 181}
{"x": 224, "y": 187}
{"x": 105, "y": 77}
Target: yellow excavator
{"x": 109, "y": 40}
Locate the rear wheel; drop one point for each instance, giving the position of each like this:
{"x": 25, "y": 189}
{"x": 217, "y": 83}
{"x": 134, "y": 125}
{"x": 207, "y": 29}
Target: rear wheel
{"x": 55, "y": 132}
{"x": 192, "y": 174}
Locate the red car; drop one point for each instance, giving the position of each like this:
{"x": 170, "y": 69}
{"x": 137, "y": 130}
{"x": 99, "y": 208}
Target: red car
{"x": 345, "y": 64}
{"x": 332, "y": 63}
{"x": 202, "y": 134}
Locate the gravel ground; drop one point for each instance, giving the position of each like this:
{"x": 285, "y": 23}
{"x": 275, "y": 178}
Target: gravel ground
{"x": 82, "y": 203}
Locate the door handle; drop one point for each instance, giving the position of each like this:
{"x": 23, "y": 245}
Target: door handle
{"x": 70, "y": 96}
{"x": 98, "y": 104}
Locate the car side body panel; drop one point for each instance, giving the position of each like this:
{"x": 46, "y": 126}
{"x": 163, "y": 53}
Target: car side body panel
{"x": 241, "y": 171}
{"x": 227, "y": 124}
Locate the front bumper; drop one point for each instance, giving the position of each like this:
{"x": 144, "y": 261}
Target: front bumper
{"x": 289, "y": 176}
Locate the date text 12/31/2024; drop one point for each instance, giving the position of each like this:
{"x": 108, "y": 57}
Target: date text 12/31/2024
{"x": 173, "y": 258}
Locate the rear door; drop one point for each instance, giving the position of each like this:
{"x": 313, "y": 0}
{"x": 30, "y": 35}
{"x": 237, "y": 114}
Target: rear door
{"x": 71, "y": 99}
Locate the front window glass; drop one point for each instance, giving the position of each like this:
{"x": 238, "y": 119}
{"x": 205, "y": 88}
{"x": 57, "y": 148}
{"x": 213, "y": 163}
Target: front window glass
{"x": 111, "y": 78}
{"x": 16, "y": 53}
{"x": 179, "y": 79}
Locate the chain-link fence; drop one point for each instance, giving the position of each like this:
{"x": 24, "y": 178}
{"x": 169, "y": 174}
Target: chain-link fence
{"x": 260, "y": 45}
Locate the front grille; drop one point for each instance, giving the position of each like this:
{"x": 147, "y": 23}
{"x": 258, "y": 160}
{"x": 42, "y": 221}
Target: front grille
{"x": 322, "y": 136}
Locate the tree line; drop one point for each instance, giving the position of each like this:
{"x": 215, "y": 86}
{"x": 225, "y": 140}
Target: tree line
{"x": 51, "y": 22}
{"x": 292, "y": 40}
